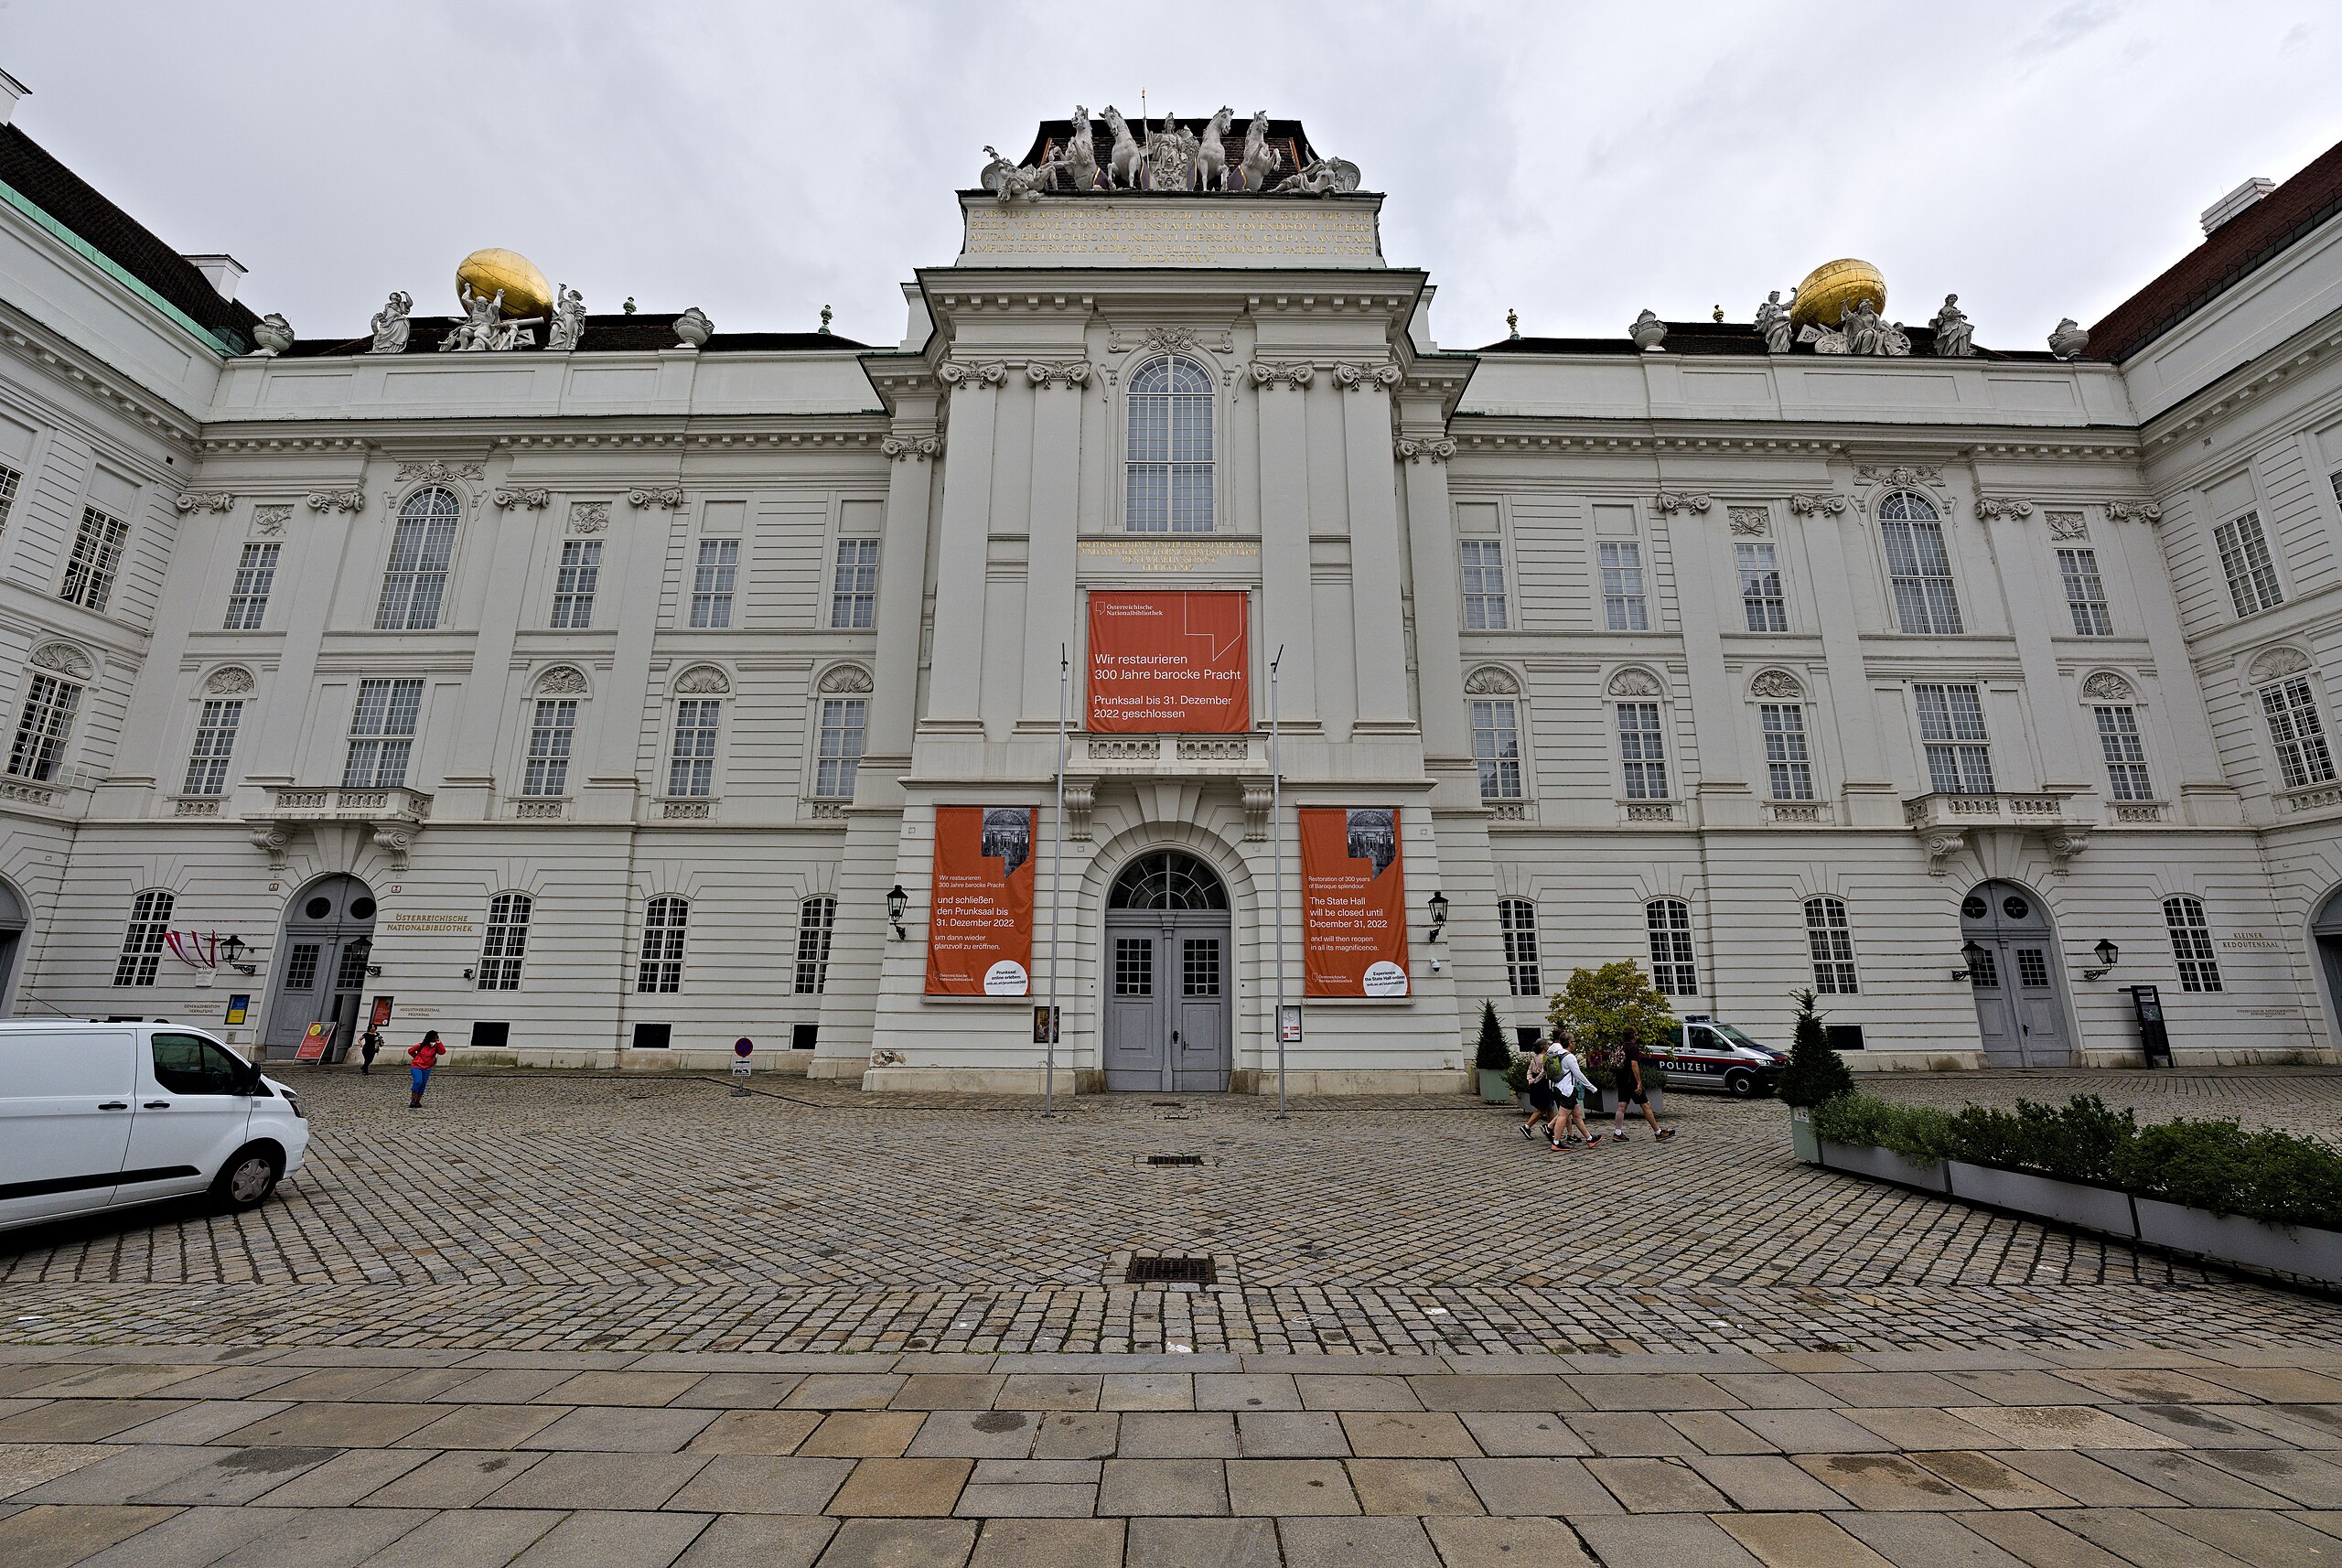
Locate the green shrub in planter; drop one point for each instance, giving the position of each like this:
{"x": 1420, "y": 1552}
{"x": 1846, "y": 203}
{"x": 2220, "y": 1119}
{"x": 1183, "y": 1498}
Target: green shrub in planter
{"x": 2077, "y": 1142}
{"x": 1815, "y": 1073}
{"x": 1516, "y": 1077}
{"x": 1601, "y": 1009}
{"x": 1493, "y": 1054}
{"x": 1915, "y": 1132}
{"x": 2219, "y": 1166}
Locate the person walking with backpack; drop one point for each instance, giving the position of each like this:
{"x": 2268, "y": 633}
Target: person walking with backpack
{"x": 1542, "y": 1097}
{"x": 421, "y": 1058}
{"x": 1570, "y": 1086}
{"x": 1636, "y": 1068}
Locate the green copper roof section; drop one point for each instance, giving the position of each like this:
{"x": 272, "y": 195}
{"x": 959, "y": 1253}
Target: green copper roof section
{"x": 112, "y": 270}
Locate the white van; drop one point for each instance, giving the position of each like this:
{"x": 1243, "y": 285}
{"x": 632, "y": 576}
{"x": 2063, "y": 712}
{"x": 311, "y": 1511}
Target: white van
{"x": 99, "y": 1115}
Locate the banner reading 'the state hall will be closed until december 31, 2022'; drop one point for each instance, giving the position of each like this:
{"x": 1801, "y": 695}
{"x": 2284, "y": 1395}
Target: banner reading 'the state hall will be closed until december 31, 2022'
{"x": 1353, "y": 902}
{"x": 980, "y": 919}
{"x": 1169, "y": 663}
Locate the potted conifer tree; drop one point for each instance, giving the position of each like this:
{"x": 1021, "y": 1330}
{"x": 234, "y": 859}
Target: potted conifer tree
{"x": 1815, "y": 1073}
{"x": 1494, "y": 1057}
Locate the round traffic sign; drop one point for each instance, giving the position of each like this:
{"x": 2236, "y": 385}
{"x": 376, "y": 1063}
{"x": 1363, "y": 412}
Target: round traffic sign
{"x": 743, "y": 1046}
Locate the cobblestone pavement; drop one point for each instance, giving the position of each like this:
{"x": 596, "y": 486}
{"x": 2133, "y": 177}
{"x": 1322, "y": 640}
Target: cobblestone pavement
{"x": 245, "y": 1456}
{"x": 531, "y": 1212}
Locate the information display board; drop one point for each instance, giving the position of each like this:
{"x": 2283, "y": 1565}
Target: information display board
{"x": 1353, "y": 902}
{"x": 980, "y": 922}
{"x": 315, "y": 1042}
{"x": 1169, "y": 662}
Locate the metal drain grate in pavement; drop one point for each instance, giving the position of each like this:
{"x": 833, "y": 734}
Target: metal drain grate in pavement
{"x": 1174, "y": 1159}
{"x": 1171, "y": 1271}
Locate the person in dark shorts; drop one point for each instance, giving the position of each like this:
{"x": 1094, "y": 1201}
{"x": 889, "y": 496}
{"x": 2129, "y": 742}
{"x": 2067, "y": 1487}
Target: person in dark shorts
{"x": 1568, "y": 1075}
{"x": 369, "y": 1045}
{"x": 1633, "y": 1080}
{"x": 1542, "y": 1096}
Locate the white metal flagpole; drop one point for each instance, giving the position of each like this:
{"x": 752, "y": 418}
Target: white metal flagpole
{"x": 1276, "y": 839}
{"x": 1056, "y": 901}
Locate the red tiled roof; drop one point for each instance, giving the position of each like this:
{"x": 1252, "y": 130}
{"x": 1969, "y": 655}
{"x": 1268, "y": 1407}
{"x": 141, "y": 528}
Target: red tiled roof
{"x": 2228, "y": 254}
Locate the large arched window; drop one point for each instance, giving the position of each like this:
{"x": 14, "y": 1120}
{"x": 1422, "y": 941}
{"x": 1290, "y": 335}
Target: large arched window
{"x": 415, "y": 585}
{"x": 1167, "y": 470}
{"x": 660, "y": 967}
{"x": 1167, "y": 880}
{"x": 1516, "y": 917}
{"x": 507, "y": 942}
{"x": 1917, "y": 563}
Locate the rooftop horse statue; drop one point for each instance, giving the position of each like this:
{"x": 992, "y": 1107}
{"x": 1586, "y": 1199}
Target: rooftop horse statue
{"x": 1080, "y": 161}
{"x": 1260, "y": 165}
{"x": 1211, "y": 157}
{"x": 1122, "y": 163}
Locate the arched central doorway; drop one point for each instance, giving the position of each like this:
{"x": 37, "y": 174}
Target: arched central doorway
{"x": 12, "y": 945}
{"x": 321, "y": 964}
{"x": 2018, "y": 979}
{"x": 1168, "y": 979}
{"x": 2326, "y": 934}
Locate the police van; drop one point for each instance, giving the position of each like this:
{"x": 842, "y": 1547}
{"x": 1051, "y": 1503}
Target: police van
{"x": 1704, "y": 1054}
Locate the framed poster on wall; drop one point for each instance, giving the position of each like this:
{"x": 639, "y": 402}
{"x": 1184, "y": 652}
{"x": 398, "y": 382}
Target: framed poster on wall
{"x": 979, "y": 917}
{"x": 1353, "y": 902}
{"x": 1169, "y": 662}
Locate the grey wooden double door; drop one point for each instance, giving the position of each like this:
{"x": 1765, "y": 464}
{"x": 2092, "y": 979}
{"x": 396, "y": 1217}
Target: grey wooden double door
{"x": 2020, "y": 1000}
{"x": 1169, "y": 977}
{"x": 321, "y": 965}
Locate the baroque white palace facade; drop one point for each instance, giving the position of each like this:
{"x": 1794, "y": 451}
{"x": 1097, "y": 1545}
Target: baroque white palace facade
{"x": 588, "y": 702}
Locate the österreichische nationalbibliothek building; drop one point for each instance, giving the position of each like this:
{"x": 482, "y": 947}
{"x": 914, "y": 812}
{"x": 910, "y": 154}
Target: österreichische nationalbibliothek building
{"x": 605, "y": 688}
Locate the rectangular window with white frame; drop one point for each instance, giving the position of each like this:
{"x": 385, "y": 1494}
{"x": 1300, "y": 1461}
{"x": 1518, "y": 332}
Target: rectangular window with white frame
{"x": 714, "y": 579}
{"x": 1674, "y": 969}
{"x": 816, "y": 919}
{"x": 2243, "y": 545}
{"x": 9, "y": 479}
{"x": 1789, "y": 766}
{"x": 142, "y": 939}
{"x": 1829, "y": 939}
{"x": 2191, "y": 944}
{"x": 2298, "y": 733}
{"x": 1517, "y": 918}
{"x": 255, "y": 576}
{"x": 382, "y": 733}
{"x": 1761, "y": 600}
{"x": 91, "y": 569}
{"x": 2126, "y": 753}
{"x": 1625, "y": 606}
{"x": 580, "y": 577}
{"x": 844, "y": 720}
{"x": 1484, "y": 605}
{"x": 659, "y": 970}
{"x": 553, "y": 735}
{"x": 215, "y": 741}
{"x": 691, "y": 770}
{"x": 1642, "y": 755}
{"x": 42, "y": 725}
{"x": 2085, "y": 593}
{"x": 853, "y": 585}
{"x": 1952, "y": 731}
{"x": 506, "y": 943}
{"x": 1496, "y": 747}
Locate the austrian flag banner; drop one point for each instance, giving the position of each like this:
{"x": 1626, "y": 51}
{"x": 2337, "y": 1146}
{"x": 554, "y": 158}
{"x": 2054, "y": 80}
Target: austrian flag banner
{"x": 980, "y": 919}
{"x": 1165, "y": 663}
{"x": 1353, "y": 902}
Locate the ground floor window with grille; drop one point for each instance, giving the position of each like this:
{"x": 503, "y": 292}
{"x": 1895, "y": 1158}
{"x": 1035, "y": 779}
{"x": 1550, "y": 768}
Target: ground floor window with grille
{"x": 507, "y": 941}
{"x": 142, "y": 941}
{"x": 1672, "y": 967}
{"x": 2191, "y": 944}
{"x": 662, "y": 965}
{"x": 1832, "y": 940}
{"x": 1518, "y": 919}
{"x": 816, "y": 918}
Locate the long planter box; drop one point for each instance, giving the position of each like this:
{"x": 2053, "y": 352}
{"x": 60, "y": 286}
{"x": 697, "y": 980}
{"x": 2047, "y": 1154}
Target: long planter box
{"x": 2303, "y": 1251}
{"x": 1885, "y": 1164}
{"x": 2091, "y": 1208}
{"x": 2297, "y": 1250}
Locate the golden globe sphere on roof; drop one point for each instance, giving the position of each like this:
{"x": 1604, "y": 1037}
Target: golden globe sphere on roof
{"x": 1833, "y": 285}
{"x": 526, "y": 293}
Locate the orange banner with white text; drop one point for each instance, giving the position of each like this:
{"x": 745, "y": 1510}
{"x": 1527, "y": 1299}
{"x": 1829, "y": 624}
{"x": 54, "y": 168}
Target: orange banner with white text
{"x": 1166, "y": 663}
{"x": 1353, "y": 902}
{"x": 979, "y": 917}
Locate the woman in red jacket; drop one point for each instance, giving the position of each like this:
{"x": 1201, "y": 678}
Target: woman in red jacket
{"x": 421, "y": 1059}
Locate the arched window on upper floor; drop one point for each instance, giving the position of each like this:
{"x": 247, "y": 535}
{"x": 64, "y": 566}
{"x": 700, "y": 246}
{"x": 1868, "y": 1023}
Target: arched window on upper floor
{"x": 414, "y": 585}
{"x": 1167, "y": 467}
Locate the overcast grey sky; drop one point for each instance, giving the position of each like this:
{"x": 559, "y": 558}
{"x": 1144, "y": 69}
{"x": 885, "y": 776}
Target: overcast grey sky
{"x": 1578, "y": 162}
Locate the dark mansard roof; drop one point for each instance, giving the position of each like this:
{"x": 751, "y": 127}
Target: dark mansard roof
{"x": 66, "y": 197}
{"x": 2229, "y": 254}
{"x": 616, "y": 333}
{"x": 1726, "y": 339}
